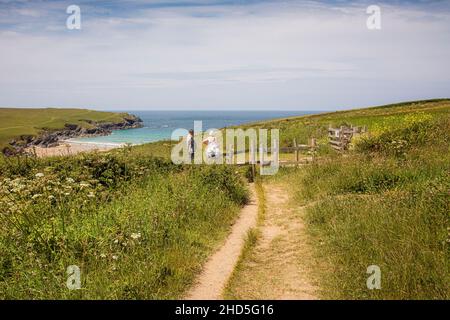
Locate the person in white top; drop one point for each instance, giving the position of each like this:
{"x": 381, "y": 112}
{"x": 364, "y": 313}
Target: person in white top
{"x": 212, "y": 147}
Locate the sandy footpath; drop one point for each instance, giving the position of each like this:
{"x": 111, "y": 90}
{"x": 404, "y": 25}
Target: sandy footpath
{"x": 280, "y": 266}
{"x": 212, "y": 280}
{"x": 66, "y": 148}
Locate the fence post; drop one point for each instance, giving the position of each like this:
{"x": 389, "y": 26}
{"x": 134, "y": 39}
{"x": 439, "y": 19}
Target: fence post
{"x": 253, "y": 158}
{"x": 296, "y": 150}
{"x": 313, "y": 149}
{"x": 275, "y": 152}
{"x": 252, "y": 152}
{"x": 230, "y": 154}
{"x": 261, "y": 154}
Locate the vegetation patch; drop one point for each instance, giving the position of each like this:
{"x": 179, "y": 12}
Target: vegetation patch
{"x": 378, "y": 206}
{"x": 138, "y": 228}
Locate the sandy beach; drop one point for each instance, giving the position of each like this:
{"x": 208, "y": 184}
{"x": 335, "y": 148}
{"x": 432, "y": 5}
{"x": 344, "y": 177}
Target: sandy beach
{"x": 67, "y": 147}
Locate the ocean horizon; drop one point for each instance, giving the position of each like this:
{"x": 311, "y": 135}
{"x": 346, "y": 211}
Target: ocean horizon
{"x": 159, "y": 125}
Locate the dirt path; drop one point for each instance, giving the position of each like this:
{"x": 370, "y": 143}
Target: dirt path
{"x": 210, "y": 283}
{"x": 279, "y": 265}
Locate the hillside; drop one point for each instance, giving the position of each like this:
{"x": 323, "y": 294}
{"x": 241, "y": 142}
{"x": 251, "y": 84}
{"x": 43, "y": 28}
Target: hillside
{"x": 375, "y": 119}
{"x": 25, "y": 124}
{"x": 140, "y": 227}
{"x": 384, "y": 203}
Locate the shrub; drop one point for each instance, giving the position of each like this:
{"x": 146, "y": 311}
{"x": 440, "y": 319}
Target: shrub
{"x": 415, "y": 132}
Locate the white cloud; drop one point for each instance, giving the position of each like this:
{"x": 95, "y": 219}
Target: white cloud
{"x": 270, "y": 55}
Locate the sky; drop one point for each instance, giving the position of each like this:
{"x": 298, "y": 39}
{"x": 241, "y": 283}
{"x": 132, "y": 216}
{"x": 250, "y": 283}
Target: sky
{"x": 222, "y": 54}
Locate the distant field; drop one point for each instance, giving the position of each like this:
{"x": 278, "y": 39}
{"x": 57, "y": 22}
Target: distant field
{"x": 15, "y": 122}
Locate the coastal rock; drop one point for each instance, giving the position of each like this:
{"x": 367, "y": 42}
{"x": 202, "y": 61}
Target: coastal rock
{"x": 51, "y": 138}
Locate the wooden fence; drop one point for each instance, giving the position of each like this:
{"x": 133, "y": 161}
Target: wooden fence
{"x": 339, "y": 138}
{"x": 296, "y": 149}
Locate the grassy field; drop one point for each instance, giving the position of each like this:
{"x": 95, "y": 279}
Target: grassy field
{"x": 386, "y": 202}
{"x": 16, "y": 122}
{"x": 141, "y": 227}
{"x": 137, "y": 227}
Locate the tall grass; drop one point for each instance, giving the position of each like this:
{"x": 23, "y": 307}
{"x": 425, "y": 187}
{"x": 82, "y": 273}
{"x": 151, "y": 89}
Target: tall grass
{"x": 387, "y": 203}
{"x": 138, "y": 228}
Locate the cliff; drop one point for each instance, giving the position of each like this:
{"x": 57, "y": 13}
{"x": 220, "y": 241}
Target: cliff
{"x": 88, "y": 128}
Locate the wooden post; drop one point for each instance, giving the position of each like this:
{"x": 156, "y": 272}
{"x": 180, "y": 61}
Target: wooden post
{"x": 230, "y": 154}
{"x": 313, "y": 149}
{"x": 296, "y": 151}
{"x": 261, "y": 154}
{"x": 253, "y": 159}
{"x": 275, "y": 152}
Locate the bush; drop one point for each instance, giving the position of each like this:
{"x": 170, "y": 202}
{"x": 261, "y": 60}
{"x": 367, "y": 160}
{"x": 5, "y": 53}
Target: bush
{"x": 397, "y": 142}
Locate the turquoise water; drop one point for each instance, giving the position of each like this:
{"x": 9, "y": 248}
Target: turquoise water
{"x": 159, "y": 125}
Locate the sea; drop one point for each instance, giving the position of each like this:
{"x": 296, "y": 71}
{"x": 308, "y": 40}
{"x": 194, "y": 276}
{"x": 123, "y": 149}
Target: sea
{"x": 159, "y": 125}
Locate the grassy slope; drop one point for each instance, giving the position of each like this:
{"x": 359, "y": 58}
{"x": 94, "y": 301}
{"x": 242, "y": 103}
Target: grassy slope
{"x": 386, "y": 203}
{"x": 315, "y": 126}
{"x": 15, "y": 122}
{"x": 138, "y": 227}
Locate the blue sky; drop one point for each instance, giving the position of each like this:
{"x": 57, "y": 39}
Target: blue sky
{"x": 229, "y": 54}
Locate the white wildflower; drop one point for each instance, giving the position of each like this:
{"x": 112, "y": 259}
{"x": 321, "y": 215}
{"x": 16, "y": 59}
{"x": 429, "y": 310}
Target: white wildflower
{"x": 70, "y": 180}
{"x": 115, "y": 257}
{"x": 135, "y": 235}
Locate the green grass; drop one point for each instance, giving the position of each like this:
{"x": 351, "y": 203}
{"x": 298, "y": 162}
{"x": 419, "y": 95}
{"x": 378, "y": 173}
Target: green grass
{"x": 16, "y": 122}
{"x": 138, "y": 227}
{"x": 315, "y": 126}
{"x": 160, "y": 149}
{"x": 384, "y": 203}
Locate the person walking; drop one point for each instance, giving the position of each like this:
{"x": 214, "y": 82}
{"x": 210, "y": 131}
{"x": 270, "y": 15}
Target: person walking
{"x": 212, "y": 147}
{"x": 191, "y": 144}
